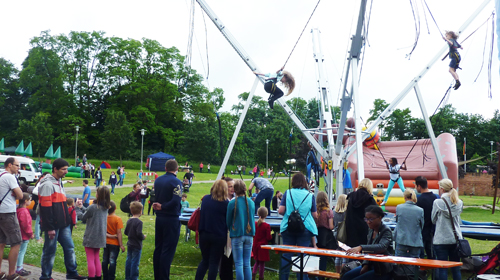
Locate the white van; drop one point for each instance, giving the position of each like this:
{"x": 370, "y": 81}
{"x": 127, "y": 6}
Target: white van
{"x": 29, "y": 170}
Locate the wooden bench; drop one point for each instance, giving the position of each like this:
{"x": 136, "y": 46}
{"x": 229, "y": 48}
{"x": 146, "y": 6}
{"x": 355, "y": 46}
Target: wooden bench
{"x": 325, "y": 274}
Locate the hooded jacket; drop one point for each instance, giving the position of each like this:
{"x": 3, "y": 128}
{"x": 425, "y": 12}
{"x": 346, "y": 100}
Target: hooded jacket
{"x": 356, "y": 227}
{"x": 54, "y": 213}
{"x": 441, "y": 218}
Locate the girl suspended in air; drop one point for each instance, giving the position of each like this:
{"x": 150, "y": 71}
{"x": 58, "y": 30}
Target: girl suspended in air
{"x": 272, "y": 79}
{"x": 451, "y": 38}
{"x": 394, "y": 168}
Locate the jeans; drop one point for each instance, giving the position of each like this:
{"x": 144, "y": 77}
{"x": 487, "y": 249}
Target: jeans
{"x": 391, "y": 185}
{"x": 22, "y": 251}
{"x": 242, "y": 251}
{"x": 167, "y": 232}
{"x": 143, "y": 201}
{"x": 132, "y": 263}
{"x": 113, "y": 188}
{"x": 370, "y": 274}
{"x": 109, "y": 257}
{"x": 427, "y": 249}
{"x": 212, "y": 249}
{"x": 266, "y": 194}
{"x": 303, "y": 239}
{"x": 37, "y": 227}
{"x": 445, "y": 252}
{"x": 407, "y": 251}
{"x": 98, "y": 182}
{"x": 63, "y": 236}
{"x": 120, "y": 182}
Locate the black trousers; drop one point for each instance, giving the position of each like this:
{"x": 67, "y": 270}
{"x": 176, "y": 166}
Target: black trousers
{"x": 271, "y": 88}
{"x": 167, "y": 232}
{"x": 212, "y": 249}
{"x": 226, "y": 267}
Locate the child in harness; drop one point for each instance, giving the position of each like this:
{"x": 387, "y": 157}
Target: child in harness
{"x": 270, "y": 86}
{"x": 451, "y": 38}
{"x": 394, "y": 168}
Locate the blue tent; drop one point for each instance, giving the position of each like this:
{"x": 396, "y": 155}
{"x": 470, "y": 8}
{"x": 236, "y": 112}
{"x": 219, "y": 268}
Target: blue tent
{"x": 156, "y": 162}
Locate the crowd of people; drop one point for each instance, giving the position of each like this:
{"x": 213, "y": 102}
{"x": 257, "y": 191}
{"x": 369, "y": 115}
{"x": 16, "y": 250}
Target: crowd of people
{"x": 228, "y": 232}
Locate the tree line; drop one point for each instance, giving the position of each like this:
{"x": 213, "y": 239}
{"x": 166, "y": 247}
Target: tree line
{"x": 112, "y": 87}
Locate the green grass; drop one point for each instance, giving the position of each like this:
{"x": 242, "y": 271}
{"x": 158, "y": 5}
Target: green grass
{"x": 188, "y": 255}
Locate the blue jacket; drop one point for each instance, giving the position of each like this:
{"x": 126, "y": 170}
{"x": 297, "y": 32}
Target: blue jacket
{"x": 241, "y": 219}
{"x": 168, "y": 193}
{"x": 298, "y": 196}
{"x": 409, "y": 224}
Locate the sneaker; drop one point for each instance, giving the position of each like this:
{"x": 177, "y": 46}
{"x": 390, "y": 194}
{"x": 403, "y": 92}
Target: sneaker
{"x": 15, "y": 276}
{"x": 23, "y": 272}
{"x": 271, "y": 104}
{"x": 457, "y": 85}
{"x": 3, "y": 275}
{"x": 383, "y": 203}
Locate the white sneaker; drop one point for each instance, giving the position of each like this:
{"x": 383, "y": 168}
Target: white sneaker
{"x": 383, "y": 203}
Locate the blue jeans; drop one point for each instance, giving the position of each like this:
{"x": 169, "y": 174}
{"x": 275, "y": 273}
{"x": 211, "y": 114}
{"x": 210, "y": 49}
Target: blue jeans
{"x": 445, "y": 252}
{"x": 98, "y": 182}
{"x": 242, "y": 251}
{"x": 22, "y": 251}
{"x": 63, "y": 236}
{"x": 369, "y": 275}
{"x": 109, "y": 257}
{"x": 37, "y": 227}
{"x": 303, "y": 239}
{"x": 113, "y": 188}
{"x": 391, "y": 185}
{"x": 407, "y": 251}
{"x": 266, "y": 194}
{"x": 120, "y": 182}
{"x": 132, "y": 263}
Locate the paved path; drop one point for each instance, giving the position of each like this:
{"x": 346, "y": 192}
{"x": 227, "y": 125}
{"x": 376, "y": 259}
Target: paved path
{"x": 35, "y": 271}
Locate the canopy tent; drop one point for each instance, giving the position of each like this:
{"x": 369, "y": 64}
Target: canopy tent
{"x": 156, "y": 162}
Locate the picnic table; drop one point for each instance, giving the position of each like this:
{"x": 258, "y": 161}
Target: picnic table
{"x": 303, "y": 251}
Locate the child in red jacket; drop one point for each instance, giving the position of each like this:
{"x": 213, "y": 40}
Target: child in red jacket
{"x": 24, "y": 218}
{"x": 72, "y": 212}
{"x": 262, "y": 237}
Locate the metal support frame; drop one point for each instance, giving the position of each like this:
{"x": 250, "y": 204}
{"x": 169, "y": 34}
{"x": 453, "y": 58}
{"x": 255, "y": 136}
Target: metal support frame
{"x": 251, "y": 64}
{"x": 325, "y": 112}
{"x": 428, "y": 124}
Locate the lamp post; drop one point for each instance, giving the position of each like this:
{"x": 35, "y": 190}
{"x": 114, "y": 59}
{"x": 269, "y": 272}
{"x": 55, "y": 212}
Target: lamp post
{"x": 142, "y": 143}
{"x": 491, "y": 150}
{"x": 267, "y": 154}
{"x": 76, "y": 144}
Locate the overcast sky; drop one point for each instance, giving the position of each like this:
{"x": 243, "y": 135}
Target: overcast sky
{"x": 268, "y": 29}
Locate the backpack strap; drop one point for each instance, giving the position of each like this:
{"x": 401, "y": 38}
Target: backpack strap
{"x": 7, "y": 191}
{"x": 451, "y": 219}
{"x": 294, "y": 209}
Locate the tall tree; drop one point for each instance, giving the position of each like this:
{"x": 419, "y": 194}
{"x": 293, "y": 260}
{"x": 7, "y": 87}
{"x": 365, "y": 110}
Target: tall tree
{"x": 117, "y": 135}
{"x": 11, "y": 101}
{"x": 38, "y": 131}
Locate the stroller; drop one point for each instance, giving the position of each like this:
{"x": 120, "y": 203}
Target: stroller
{"x": 488, "y": 263}
{"x": 185, "y": 185}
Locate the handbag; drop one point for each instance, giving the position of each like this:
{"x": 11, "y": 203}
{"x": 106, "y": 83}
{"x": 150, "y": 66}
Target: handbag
{"x": 463, "y": 247}
{"x": 194, "y": 222}
{"x": 342, "y": 230}
{"x": 349, "y": 266}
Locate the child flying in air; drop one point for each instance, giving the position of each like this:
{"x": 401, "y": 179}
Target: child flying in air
{"x": 272, "y": 79}
{"x": 451, "y": 37}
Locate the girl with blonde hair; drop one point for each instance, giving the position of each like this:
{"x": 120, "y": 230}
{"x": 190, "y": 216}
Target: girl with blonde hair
{"x": 451, "y": 38}
{"x": 338, "y": 218}
{"x": 409, "y": 225}
{"x": 272, "y": 79}
{"x": 241, "y": 224}
{"x": 444, "y": 241}
{"x": 356, "y": 228}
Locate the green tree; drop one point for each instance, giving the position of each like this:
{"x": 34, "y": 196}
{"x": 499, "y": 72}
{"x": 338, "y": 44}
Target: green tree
{"x": 118, "y": 135}
{"x": 11, "y": 100}
{"x": 38, "y": 131}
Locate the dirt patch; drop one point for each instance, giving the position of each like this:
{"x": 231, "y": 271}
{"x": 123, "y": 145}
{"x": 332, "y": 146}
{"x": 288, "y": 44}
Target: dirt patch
{"x": 478, "y": 185}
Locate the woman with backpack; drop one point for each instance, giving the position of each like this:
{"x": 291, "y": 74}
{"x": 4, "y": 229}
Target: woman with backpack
{"x": 298, "y": 227}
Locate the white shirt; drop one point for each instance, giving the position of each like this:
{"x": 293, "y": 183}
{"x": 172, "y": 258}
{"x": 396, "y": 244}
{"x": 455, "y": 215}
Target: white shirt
{"x": 396, "y": 168}
{"x": 8, "y": 182}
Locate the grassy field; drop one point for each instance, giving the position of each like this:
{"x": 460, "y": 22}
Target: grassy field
{"x": 188, "y": 255}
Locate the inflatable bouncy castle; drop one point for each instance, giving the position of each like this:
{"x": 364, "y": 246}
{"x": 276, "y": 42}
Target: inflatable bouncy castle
{"x": 421, "y": 161}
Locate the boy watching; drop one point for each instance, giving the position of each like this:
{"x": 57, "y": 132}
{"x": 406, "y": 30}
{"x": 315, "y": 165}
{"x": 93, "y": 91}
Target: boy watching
{"x": 134, "y": 245}
{"x": 184, "y": 205}
{"x": 113, "y": 243}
